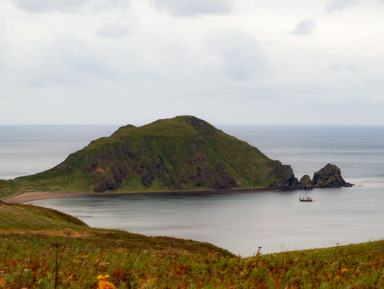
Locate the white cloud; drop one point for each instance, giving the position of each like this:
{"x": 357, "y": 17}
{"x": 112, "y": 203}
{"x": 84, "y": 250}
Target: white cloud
{"x": 4, "y": 49}
{"x": 342, "y": 66}
{"x": 240, "y": 53}
{"x": 304, "y": 27}
{"x": 97, "y": 57}
{"x": 194, "y": 7}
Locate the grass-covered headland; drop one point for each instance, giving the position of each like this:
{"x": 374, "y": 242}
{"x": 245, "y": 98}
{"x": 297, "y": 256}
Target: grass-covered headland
{"x": 178, "y": 154}
{"x": 42, "y": 248}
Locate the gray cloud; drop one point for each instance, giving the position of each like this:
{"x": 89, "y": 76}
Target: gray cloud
{"x": 194, "y": 7}
{"x": 341, "y": 66}
{"x": 82, "y": 59}
{"x": 241, "y": 54}
{"x": 115, "y": 30}
{"x": 66, "y": 61}
{"x": 68, "y": 6}
{"x": 3, "y": 26}
{"x": 334, "y": 5}
{"x": 41, "y": 6}
{"x": 304, "y": 27}
{"x": 174, "y": 65}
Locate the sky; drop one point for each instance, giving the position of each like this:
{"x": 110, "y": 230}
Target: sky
{"x": 225, "y": 61}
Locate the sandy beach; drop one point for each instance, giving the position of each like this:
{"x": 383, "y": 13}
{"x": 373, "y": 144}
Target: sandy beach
{"x": 33, "y": 196}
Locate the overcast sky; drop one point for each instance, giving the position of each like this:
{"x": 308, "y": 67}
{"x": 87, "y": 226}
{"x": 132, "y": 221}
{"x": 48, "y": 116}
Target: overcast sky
{"x": 226, "y": 61}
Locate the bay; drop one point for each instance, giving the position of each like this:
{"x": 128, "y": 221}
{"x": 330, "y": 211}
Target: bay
{"x": 238, "y": 222}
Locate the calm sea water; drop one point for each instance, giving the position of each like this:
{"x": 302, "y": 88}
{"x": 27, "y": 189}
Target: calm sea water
{"x": 238, "y": 222}
{"x": 30, "y": 149}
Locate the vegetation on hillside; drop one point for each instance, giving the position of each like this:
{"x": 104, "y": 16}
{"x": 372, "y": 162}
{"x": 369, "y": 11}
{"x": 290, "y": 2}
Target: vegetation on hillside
{"x": 18, "y": 216}
{"x": 182, "y": 153}
{"x": 49, "y": 256}
{"x": 5, "y": 190}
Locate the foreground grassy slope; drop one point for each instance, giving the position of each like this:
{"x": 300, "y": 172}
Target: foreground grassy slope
{"x": 28, "y": 261}
{"x": 182, "y": 153}
{"x": 15, "y": 216}
{"x": 31, "y": 258}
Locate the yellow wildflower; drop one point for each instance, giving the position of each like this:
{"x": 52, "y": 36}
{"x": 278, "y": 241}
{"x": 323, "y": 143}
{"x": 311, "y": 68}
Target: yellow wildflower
{"x": 103, "y": 284}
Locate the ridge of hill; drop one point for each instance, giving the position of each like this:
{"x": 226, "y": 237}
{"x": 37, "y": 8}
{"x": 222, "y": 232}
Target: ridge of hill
{"x": 181, "y": 153}
{"x": 177, "y": 154}
{"x": 27, "y": 217}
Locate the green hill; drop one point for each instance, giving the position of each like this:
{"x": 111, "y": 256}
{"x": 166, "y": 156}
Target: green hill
{"x": 42, "y": 248}
{"x": 16, "y": 216}
{"x": 182, "y": 153}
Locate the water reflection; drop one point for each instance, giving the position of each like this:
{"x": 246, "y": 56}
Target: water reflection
{"x": 240, "y": 222}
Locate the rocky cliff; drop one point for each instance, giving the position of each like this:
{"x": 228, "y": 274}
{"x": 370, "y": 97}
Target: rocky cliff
{"x": 182, "y": 153}
{"x": 329, "y": 177}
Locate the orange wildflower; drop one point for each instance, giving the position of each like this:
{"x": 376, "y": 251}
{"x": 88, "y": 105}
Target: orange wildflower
{"x": 2, "y": 282}
{"x": 103, "y": 284}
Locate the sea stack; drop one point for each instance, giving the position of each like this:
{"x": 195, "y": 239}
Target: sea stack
{"x": 183, "y": 153}
{"x": 305, "y": 181}
{"x": 329, "y": 177}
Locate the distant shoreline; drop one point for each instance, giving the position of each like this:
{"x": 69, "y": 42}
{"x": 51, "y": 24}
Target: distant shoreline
{"x": 34, "y": 196}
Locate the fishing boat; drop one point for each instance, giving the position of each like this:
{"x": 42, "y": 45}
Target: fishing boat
{"x": 304, "y": 196}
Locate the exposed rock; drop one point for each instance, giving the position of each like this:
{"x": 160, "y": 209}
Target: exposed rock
{"x": 103, "y": 180}
{"x": 223, "y": 180}
{"x": 148, "y": 178}
{"x": 285, "y": 173}
{"x": 305, "y": 181}
{"x": 183, "y": 153}
{"x": 203, "y": 175}
{"x": 198, "y": 123}
{"x": 329, "y": 177}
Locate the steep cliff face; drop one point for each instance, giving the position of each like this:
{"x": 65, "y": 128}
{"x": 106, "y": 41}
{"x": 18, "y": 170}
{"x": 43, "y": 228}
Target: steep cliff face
{"x": 183, "y": 153}
{"x": 286, "y": 175}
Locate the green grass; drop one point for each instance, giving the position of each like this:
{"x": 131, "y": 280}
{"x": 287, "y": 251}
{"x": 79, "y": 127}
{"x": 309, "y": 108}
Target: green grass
{"x": 134, "y": 262}
{"x": 168, "y": 153}
{"x": 5, "y": 190}
{"x": 48, "y": 243}
{"x": 16, "y": 216}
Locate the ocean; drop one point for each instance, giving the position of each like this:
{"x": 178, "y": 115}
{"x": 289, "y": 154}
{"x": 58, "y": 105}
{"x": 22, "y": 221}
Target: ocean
{"x": 238, "y": 222}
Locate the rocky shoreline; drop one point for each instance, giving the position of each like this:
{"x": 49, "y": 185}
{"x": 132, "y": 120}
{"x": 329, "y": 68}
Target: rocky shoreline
{"x": 328, "y": 177}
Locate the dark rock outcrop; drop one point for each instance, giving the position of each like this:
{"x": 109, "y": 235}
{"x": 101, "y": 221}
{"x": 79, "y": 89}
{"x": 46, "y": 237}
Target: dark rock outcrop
{"x": 285, "y": 173}
{"x": 329, "y": 177}
{"x": 305, "y": 181}
{"x": 183, "y": 153}
{"x": 223, "y": 180}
